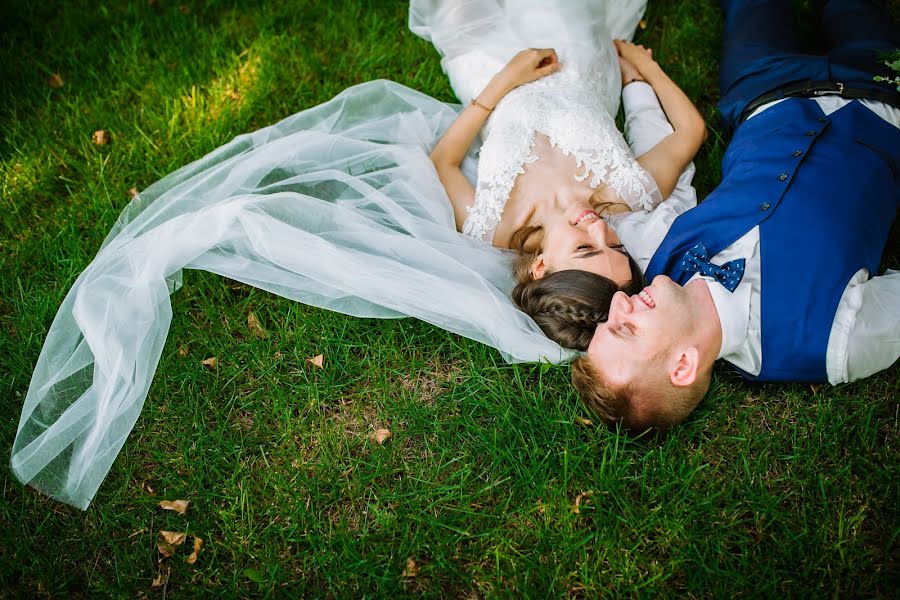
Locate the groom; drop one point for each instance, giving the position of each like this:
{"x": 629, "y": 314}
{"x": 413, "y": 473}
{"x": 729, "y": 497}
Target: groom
{"x": 774, "y": 270}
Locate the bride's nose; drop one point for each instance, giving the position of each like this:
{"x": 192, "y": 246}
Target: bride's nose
{"x": 599, "y": 231}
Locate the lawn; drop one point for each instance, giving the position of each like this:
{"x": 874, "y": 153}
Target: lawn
{"x": 491, "y": 484}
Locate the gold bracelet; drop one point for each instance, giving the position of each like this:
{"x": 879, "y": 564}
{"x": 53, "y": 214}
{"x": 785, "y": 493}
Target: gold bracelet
{"x": 479, "y": 104}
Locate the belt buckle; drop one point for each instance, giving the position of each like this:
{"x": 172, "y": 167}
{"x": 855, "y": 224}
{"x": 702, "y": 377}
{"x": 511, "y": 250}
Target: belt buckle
{"x": 838, "y": 92}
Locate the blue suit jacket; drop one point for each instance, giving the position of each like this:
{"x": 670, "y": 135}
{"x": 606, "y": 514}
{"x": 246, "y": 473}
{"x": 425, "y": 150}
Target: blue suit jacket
{"x": 824, "y": 192}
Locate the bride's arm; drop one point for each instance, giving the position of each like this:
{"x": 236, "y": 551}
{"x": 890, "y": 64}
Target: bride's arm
{"x": 450, "y": 150}
{"x": 667, "y": 159}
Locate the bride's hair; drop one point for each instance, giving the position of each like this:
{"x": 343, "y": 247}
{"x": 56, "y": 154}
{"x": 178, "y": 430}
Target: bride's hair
{"x": 568, "y": 305}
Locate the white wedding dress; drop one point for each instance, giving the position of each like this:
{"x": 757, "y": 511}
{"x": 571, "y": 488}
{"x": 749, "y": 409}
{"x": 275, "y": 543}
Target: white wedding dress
{"x": 574, "y": 108}
{"x": 337, "y": 206}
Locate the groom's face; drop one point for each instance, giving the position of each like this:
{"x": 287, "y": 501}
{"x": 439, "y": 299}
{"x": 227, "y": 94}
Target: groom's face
{"x": 640, "y": 328}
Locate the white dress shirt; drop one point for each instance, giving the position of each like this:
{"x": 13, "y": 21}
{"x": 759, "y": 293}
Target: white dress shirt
{"x": 865, "y": 334}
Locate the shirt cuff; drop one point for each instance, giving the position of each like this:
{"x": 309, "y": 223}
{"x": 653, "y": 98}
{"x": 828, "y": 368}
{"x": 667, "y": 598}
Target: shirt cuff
{"x": 638, "y": 95}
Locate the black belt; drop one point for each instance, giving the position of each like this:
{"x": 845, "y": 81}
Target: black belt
{"x": 812, "y": 89}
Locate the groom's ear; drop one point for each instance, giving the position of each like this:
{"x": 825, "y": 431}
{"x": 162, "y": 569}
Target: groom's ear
{"x": 538, "y": 267}
{"x": 685, "y": 368}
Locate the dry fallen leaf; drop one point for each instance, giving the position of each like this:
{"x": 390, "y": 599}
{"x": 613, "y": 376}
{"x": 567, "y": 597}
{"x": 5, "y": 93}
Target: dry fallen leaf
{"x": 380, "y": 435}
{"x": 100, "y": 137}
{"x": 211, "y": 362}
{"x": 578, "y": 500}
{"x": 318, "y": 360}
{"x": 278, "y": 356}
{"x": 167, "y": 542}
{"x": 815, "y": 387}
{"x": 55, "y": 80}
{"x": 161, "y": 579}
{"x": 643, "y": 24}
{"x": 176, "y": 538}
{"x": 583, "y": 421}
{"x": 412, "y": 569}
{"x": 255, "y": 326}
{"x": 133, "y": 192}
{"x": 179, "y": 506}
{"x": 183, "y": 351}
{"x": 198, "y": 543}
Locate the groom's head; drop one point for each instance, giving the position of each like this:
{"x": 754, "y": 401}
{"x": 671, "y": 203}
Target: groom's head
{"x": 649, "y": 364}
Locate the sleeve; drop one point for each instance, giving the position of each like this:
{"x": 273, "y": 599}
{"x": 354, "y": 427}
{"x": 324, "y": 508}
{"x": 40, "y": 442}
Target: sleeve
{"x": 645, "y": 126}
{"x": 645, "y": 122}
{"x": 874, "y": 341}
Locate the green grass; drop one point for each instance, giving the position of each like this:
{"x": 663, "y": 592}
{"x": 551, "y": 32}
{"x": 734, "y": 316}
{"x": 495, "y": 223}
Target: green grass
{"x": 767, "y": 490}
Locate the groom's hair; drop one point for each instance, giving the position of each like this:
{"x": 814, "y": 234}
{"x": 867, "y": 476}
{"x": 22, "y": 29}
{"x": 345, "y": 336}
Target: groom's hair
{"x": 653, "y": 402}
{"x": 568, "y": 305}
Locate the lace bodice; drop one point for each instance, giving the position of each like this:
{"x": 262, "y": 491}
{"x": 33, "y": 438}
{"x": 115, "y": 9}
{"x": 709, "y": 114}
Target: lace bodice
{"x": 567, "y": 109}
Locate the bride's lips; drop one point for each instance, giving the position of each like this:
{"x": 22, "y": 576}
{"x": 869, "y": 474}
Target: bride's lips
{"x": 586, "y": 214}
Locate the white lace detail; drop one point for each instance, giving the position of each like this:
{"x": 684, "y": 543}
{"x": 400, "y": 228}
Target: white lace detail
{"x": 574, "y": 111}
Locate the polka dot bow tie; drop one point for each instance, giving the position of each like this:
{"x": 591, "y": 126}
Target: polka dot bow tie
{"x": 696, "y": 260}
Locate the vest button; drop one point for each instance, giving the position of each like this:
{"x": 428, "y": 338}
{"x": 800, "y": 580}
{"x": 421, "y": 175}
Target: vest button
{"x": 782, "y": 177}
{"x": 798, "y": 152}
{"x": 811, "y": 133}
{"x": 765, "y": 206}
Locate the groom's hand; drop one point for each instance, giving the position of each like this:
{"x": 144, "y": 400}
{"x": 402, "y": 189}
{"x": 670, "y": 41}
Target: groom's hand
{"x": 641, "y": 58}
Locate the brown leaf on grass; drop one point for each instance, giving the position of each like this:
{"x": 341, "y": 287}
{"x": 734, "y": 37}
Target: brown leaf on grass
{"x": 815, "y": 388}
{"x": 100, "y": 137}
{"x": 55, "y": 81}
{"x": 317, "y": 360}
{"x": 583, "y": 421}
{"x": 643, "y": 24}
{"x": 198, "y": 543}
{"x": 176, "y": 538}
{"x": 167, "y": 542}
{"x": 379, "y": 436}
{"x": 179, "y": 506}
{"x": 211, "y": 362}
{"x": 412, "y": 569}
{"x": 162, "y": 578}
{"x": 580, "y": 499}
{"x": 255, "y": 326}
{"x": 183, "y": 351}
{"x": 133, "y": 192}
{"x": 278, "y": 356}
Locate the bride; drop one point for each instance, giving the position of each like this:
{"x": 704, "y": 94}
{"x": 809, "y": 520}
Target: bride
{"x": 552, "y": 162}
{"x": 339, "y": 206}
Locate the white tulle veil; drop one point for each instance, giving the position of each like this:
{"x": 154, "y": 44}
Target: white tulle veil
{"x": 337, "y": 206}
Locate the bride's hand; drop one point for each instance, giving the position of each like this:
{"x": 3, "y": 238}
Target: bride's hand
{"x": 527, "y": 66}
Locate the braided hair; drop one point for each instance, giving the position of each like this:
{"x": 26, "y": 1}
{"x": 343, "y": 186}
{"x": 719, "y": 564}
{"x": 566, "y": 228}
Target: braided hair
{"x": 568, "y": 305}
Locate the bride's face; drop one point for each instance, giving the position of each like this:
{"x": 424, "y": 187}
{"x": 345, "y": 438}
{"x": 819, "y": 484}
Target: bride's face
{"x": 581, "y": 241}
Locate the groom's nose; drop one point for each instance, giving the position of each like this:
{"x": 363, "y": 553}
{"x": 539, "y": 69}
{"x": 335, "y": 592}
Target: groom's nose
{"x": 620, "y": 305}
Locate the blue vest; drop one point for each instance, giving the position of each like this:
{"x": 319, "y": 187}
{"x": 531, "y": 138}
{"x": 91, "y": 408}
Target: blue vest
{"x": 824, "y": 192}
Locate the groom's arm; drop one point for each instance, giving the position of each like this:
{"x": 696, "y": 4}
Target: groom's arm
{"x": 865, "y": 336}
{"x": 645, "y": 126}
